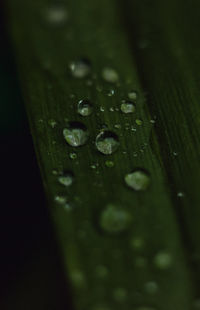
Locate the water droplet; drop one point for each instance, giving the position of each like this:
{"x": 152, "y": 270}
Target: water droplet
{"x": 132, "y": 95}
{"x": 66, "y": 179}
{"x": 127, "y": 107}
{"x": 110, "y": 75}
{"x": 152, "y": 121}
{"x": 120, "y": 294}
{"x": 175, "y": 154}
{"x": 107, "y": 142}
{"x": 115, "y": 219}
{"x": 102, "y": 109}
{"x": 85, "y": 108}
{"x": 52, "y": 123}
{"x": 112, "y": 109}
{"x": 138, "y": 180}
{"x": 101, "y": 271}
{"x": 80, "y": 68}
{"x": 180, "y": 194}
{"x": 109, "y": 163}
{"x": 76, "y": 134}
{"x": 111, "y": 92}
{"x": 163, "y": 260}
{"x": 56, "y": 15}
{"x": 139, "y": 122}
{"x": 151, "y": 287}
{"x": 72, "y": 155}
{"x": 62, "y": 201}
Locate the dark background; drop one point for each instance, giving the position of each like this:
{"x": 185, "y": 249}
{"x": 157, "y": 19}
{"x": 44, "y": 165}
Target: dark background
{"x": 30, "y": 272}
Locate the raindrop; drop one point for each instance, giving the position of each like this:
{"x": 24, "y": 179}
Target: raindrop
{"x": 110, "y": 75}
{"x": 56, "y": 15}
{"x": 132, "y": 95}
{"x": 112, "y": 109}
{"x": 109, "y": 163}
{"x": 127, "y": 107}
{"x": 163, "y": 260}
{"x": 111, "y": 92}
{"x": 138, "y": 180}
{"x": 66, "y": 179}
{"x": 139, "y": 122}
{"x": 102, "y": 109}
{"x": 76, "y": 134}
{"x": 62, "y": 201}
{"x": 84, "y": 107}
{"x": 151, "y": 287}
{"x": 115, "y": 219}
{"x": 80, "y": 68}
{"x": 180, "y": 194}
{"x": 118, "y": 126}
{"x": 107, "y": 142}
{"x": 72, "y": 155}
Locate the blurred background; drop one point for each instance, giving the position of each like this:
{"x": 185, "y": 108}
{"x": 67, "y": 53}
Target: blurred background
{"x": 30, "y": 275}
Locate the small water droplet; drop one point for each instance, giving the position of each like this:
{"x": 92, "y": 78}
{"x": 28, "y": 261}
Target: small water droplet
{"x": 111, "y": 109}
{"x": 115, "y": 219}
{"x": 102, "y": 109}
{"x": 152, "y": 121}
{"x": 127, "y": 107}
{"x": 175, "y": 153}
{"x": 151, "y": 287}
{"x": 84, "y": 107}
{"x": 52, "y": 123}
{"x": 76, "y": 134}
{"x": 61, "y": 200}
{"x": 132, "y": 95}
{"x": 80, "y": 68}
{"x": 107, "y": 142}
{"x": 109, "y": 163}
{"x": 110, "y": 75}
{"x": 180, "y": 194}
{"x": 72, "y": 155}
{"x": 163, "y": 260}
{"x": 66, "y": 179}
{"x": 111, "y": 92}
{"x": 138, "y": 180}
{"x": 120, "y": 294}
{"x": 55, "y": 15}
{"x": 139, "y": 122}
{"x": 118, "y": 126}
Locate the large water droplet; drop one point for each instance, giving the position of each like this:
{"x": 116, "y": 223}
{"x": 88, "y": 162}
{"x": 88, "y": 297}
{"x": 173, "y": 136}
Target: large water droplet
{"x": 115, "y": 219}
{"x": 138, "y": 180}
{"x": 66, "y": 179}
{"x": 56, "y": 15}
{"x": 72, "y": 155}
{"x": 127, "y": 107}
{"x": 107, "y": 142}
{"x": 84, "y": 107}
{"x": 110, "y": 75}
{"x": 80, "y": 68}
{"x": 76, "y": 134}
{"x": 163, "y": 260}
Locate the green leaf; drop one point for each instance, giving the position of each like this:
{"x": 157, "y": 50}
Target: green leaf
{"x": 127, "y": 225}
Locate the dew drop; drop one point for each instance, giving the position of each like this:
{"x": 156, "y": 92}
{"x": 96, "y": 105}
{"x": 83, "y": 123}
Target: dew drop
{"x": 76, "y": 134}
{"x": 107, "y": 142}
{"x": 127, "y": 107}
{"x": 163, "y": 260}
{"x": 115, "y": 219}
{"x": 109, "y": 163}
{"x": 61, "y": 200}
{"x": 138, "y": 180}
{"x": 132, "y": 95}
{"x": 56, "y": 15}
{"x": 102, "y": 109}
{"x": 111, "y": 92}
{"x": 110, "y": 75}
{"x": 111, "y": 109}
{"x": 66, "y": 179}
{"x": 118, "y": 126}
{"x": 139, "y": 122}
{"x": 84, "y": 107}
{"x": 180, "y": 194}
{"x": 72, "y": 155}
{"x": 80, "y": 68}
